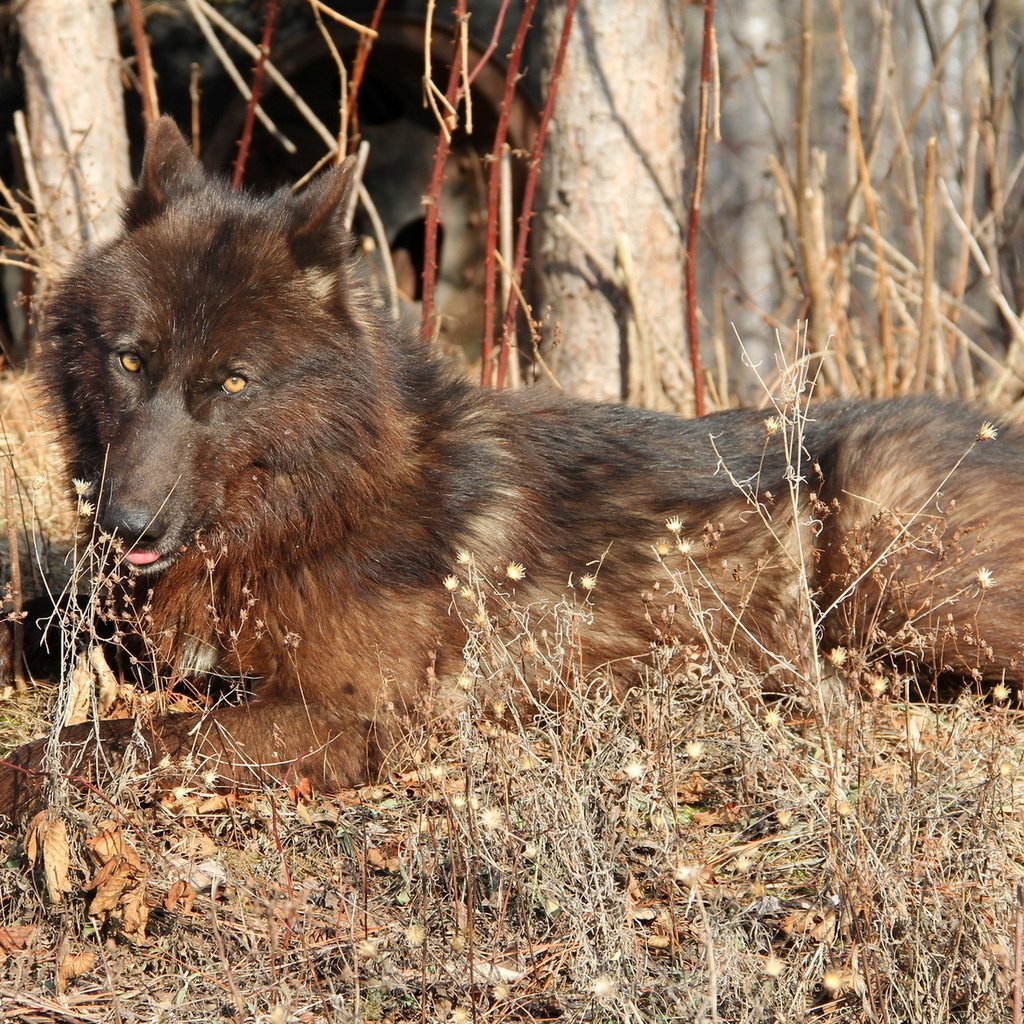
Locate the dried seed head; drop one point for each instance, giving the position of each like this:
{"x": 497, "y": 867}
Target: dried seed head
{"x": 694, "y": 749}
{"x": 415, "y": 935}
{"x": 451, "y": 583}
{"x": 688, "y": 874}
{"x": 636, "y": 770}
{"x": 772, "y": 425}
{"x": 772, "y": 718}
{"x": 491, "y": 818}
{"x": 662, "y": 548}
{"x": 985, "y": 579}
{"x": 1000, "y": 692}
{"x": 463, "y": 557}
{"x": 83, "y": 488}
{"x": 674, "y": 524}
{"x": 515, "y": 571}
{"x": 838, "y": 656}
{"x": 588, "y": 581}
{"x": 684, "y": 547}
{"x": 987, "y": 431}
{"x": 604, "y": 987}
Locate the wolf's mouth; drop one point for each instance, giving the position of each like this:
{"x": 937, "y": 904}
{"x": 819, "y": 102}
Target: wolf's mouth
{"x": 145, "y": 561}
{"x": 141, "y": 559}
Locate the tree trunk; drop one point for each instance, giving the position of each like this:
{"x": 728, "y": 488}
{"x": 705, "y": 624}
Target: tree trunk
{"x": 610, "y": 243}
{"x": 76, "y": 123}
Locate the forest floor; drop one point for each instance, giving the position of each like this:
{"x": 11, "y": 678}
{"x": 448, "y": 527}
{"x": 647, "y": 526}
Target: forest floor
{"x": 700, "y": 851}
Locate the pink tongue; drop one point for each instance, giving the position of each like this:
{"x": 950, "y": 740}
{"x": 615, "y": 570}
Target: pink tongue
{"x": 141, "y": 557}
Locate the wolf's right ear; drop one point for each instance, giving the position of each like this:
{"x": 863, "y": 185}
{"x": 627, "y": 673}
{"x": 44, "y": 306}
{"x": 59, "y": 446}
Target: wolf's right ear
{"x": 169, "y": 169}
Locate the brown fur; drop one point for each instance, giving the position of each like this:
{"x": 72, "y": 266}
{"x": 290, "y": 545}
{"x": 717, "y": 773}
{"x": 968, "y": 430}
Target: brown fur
{"x": 303, "y": 526}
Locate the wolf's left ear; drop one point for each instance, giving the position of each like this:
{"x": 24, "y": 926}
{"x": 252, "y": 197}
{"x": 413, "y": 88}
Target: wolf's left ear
{"x": 318, "y": 235}
{"x": 169, "y": 170}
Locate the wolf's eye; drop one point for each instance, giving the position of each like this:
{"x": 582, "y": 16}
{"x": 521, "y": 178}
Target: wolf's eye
{"x": 130, "y": 361}
{"x": 235, "y": 384}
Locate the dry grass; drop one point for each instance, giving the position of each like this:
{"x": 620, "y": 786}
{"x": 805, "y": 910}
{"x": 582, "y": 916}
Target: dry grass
{"x": 696, "y": 849}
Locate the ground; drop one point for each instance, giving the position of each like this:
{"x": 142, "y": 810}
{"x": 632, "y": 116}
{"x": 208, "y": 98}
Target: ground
{"x": 695, "y": 849}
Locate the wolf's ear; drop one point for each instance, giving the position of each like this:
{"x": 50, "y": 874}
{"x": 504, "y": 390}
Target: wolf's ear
{"x": 169, "y": 169}
{"x": 317, "y": 235}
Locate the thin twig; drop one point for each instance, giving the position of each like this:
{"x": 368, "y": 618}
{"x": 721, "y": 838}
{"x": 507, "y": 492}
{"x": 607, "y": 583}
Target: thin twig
{"x": 194, "y": 95}
{"x": 359, "y": 69}
{"x": 370, "y": 33}
{"x": 494, "y": 190}
{"x": 17, "y": 626}
{"x": 693, "y": 222}
{"x": 441, "y": 150}
{"x": 232, "y": 72}
{"x": 1018, "y": 957}
{"x": 250, "y": 48}
{"x": 256, "y": 93}
{"x": 530, "y": 187}
{"x": 926, "y": 338}
{"x": 144, "y": 63}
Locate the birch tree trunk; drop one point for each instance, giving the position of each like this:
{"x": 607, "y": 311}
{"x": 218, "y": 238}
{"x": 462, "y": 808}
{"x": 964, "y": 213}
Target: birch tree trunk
{"x": 609, "y": 242}
{"x": 76, "y": 126}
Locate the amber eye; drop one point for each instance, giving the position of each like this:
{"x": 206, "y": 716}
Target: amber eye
{"x": 235, "y": 384}
{"x": 131, "y": 361}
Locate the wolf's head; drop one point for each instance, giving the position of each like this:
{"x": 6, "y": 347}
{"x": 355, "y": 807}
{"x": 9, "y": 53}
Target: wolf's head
{"x": 218, "y": 368}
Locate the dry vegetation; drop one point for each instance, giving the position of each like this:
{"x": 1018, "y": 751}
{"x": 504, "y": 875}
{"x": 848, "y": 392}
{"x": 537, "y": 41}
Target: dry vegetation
{"x": 701, "y": 848}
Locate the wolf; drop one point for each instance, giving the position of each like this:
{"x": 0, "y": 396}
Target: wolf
{"x": 298, "y": 492}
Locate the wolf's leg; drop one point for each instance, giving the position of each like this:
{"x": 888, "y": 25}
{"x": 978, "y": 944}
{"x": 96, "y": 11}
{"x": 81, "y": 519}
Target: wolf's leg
{"x": 227, "y": 748}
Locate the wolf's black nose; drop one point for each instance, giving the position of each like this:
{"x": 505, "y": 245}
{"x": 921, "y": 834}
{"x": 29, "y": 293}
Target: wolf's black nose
{"x": 133, "y": 525}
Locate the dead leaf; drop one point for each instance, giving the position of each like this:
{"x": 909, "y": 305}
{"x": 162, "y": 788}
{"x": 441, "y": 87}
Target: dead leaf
{"x": 379, "y": 860}
{"x": 817, "y": 923}
{"x": 180, "y": 896}
{"x": 46, "y": 843}
{"x": 104, "y": 680}
{"x": 119, "y": 884}
{"x": 215, "y": 803}
{"x": 72, "y": 966}
{"x": 17, "y": 938}
{"x": 80, "y": 689}
{"x": 692, "y": 790}
{"x": 727, "y": 815}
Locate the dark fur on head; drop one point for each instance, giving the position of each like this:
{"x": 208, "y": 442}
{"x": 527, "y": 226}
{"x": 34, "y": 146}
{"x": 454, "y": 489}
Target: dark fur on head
{"x": 281, "y": 462}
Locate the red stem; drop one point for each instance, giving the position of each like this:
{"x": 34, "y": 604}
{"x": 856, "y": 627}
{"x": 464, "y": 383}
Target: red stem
{"x": 143, "y": 62}
{"x": 693, "y": 224}
{"x": 257, "y": 91}
{"x": 433, "y": 198}
{"x": 358, "y": 70}
{"x": 530, "y": 187}
{"x": 493, "y": 188}
{"x": 492, "y": 45}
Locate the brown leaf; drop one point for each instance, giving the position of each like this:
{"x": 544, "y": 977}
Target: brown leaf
{"x": 17, "y": 937}
{"x": 692, "y": 790}
{"x": 181, "y": 893}
{"x": 379, "y": 860}
{"x": 727, "y": 815}
{"x": 72, "y": 966}
{"x": 818, "y": 924}
{"x": 119, "y": 884}
{"x": 46, "y": 842}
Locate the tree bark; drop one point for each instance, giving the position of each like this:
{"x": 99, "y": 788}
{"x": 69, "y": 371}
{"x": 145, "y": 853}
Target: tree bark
{"x": 610, "y": 243}
{"x": 77, "y": 134}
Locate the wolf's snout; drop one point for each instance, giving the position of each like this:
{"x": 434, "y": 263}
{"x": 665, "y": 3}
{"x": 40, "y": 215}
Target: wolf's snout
{"x": 136, "y": 525}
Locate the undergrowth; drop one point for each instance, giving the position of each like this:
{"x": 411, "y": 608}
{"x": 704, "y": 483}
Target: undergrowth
{"x": 700, "y": 846}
